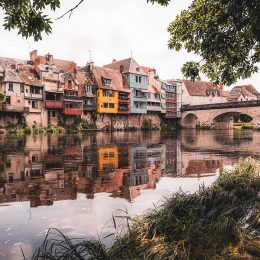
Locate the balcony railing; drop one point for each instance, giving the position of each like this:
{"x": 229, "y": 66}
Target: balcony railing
{"x": 76, "y": 98}
{"x": 123, "y": 97}
{"x": 88, "y": 107}
{"x": 53, "y": 104}
{"x": 33, "y": 95}
{"x": 72, "y": 111}
{"x": 123, "y": 108}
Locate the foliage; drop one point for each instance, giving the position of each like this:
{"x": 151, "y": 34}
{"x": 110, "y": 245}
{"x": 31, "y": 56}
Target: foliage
{"x": 28, "y": 16}
{"x": 190, "y": 70}
{"x": 220, "y": 222}
{"x": 226, "y": 34}
{"x": 2, "y": 97}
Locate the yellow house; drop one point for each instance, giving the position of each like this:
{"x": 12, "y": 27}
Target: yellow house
{"x": 107, "y": 100}
{"x": 107, "y": 93}
{"x": 107, "y": 158}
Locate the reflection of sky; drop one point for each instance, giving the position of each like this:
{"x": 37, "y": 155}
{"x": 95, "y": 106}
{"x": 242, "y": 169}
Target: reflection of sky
{"x": 78, "y": 218}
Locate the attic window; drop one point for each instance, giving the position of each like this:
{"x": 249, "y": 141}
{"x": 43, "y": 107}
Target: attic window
{"x": 107, "y": 81}
{"x": 137, "y": 69}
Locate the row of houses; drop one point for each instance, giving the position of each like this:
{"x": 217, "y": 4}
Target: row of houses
{"x": 49, "y": 90}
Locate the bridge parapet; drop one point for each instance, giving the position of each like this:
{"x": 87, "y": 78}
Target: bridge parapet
{"x": 250, "y": 103}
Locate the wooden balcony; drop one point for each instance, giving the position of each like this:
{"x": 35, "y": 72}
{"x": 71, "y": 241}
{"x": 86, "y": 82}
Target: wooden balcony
{"x": 53, "y": 104}
{"x": 72, "y": 111}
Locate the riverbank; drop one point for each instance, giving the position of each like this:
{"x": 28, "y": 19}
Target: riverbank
{"x": 220, "y": 222}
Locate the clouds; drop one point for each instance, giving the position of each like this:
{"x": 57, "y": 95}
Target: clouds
{"x": 110, "y": 29}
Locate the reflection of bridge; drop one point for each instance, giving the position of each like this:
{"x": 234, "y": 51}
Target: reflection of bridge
{"x": 220, "y": 116}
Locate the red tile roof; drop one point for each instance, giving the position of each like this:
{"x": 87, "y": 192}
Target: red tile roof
{"x": 30, "y": 76}
{"x": 199, "y": 88}
{"x": 117, "y": 79}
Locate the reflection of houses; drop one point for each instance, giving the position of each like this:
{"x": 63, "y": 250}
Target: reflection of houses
{"x": 107, "y": 158}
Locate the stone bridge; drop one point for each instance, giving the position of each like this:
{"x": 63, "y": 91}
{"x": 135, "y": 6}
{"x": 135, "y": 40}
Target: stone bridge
{"x": 219, "y": 116}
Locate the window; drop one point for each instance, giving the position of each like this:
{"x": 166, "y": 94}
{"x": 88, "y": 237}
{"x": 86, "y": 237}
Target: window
{"x": 88, "y": 88}
{"x": 111, "y": 105}
{"x": 11, "y": 87}
{"x": 105, "y": 105}
{"x": 53, "y": 114}
{"x": 35, "y": 90}
{"x": 107, "y": 81}
{"x": 22, "y": 88}
{"x": 108, "y": 93}
{"x": 34, "y": 104}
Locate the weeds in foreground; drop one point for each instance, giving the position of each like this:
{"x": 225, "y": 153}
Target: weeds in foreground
{"x": 219, "y": 222}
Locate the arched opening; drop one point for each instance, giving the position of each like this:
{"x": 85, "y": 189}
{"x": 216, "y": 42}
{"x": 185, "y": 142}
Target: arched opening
{"x": 190, "y": 121}
{"x": 243, "y": 121}
{"x": 233, "y": 120}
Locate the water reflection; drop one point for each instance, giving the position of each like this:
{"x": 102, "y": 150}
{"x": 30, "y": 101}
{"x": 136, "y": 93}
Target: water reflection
{"x": 44, "y": 169}
{"x": 66, "y": 172}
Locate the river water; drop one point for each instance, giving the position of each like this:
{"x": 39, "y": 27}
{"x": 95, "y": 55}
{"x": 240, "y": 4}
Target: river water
{"x": 77, "y": 182}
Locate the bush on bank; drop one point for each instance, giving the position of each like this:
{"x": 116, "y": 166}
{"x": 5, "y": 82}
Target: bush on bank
{"x": 219, "y": 222}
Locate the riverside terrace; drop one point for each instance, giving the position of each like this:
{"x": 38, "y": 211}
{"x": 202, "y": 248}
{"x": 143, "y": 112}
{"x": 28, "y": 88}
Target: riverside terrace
{"x": 219, "y": 116}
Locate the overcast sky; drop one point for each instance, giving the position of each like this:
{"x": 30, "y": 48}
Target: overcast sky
{"x": 110, "y": 29}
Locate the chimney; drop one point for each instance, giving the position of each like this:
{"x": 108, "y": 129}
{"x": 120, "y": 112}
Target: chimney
{"x": 33, "y": 55}
{"x": 114, "y": 60}
{"x": 49, "y": 57}
{"x": 90, "y": 65}
{"x": 36, "y": 64}
{"x": 73, "y": 67}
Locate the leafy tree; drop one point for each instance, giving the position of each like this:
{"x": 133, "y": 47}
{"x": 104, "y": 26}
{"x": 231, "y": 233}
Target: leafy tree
{"x": 226, "y": 34}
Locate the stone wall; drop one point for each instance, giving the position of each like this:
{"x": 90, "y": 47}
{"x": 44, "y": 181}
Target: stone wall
{"x": 121, "y": 122}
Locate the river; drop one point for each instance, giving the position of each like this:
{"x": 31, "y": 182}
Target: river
{"x": 76, "y": 183}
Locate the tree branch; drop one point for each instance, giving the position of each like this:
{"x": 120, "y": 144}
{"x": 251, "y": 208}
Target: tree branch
{"x": 71, "y": 10}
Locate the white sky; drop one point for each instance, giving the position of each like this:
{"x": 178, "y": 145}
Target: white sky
{"x": 110, "y": 29}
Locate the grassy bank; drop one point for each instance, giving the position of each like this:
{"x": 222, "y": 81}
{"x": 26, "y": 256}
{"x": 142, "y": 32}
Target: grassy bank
{"x": 219, "y": 222}
{"x": 243, "y": 125}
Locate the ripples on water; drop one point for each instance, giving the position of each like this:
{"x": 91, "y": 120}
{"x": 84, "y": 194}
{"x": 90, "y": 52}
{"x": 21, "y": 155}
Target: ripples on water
{"x": 75, "y": 183}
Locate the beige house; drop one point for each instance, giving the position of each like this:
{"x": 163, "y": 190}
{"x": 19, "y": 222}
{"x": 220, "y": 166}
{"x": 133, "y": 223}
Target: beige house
{"x": 33, "y": 97}
{"x": 202, "y": 92}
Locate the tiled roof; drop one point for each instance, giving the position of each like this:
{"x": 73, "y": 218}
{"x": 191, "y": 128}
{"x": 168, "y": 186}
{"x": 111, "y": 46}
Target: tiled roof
{"x": 248, "y": 88}
{"x": 83, "y": 77}
{"x": 127, "y": 65}
{"x": 6, "y": 63}
{"x": 29, "y": 76}
{"x": 117, "y": 80}
{"x": 11, "y": 75}
{"x": 60, "y": 65}
{"x": 198, "y": 88}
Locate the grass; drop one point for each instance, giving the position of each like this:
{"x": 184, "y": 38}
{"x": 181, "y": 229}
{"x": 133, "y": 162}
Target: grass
{"x": 243, "y": 125}
{"x": 219, "y": 222}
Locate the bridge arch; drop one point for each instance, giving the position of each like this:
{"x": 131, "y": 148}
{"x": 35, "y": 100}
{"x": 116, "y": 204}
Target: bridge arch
{"x": 190, "y": 121}
{"x": 225, "y": 120}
